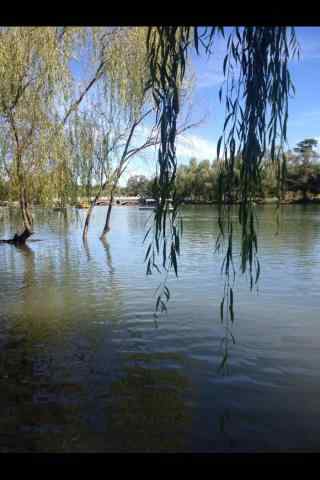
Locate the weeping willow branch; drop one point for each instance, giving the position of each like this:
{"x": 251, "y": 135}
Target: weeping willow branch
{"x": 256, "y": 91}
{"x": 256, "y": 100}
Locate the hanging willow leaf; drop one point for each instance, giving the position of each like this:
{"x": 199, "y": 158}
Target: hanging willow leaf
{"x": 225, "y": 65}
{"x": 219, "y": 147}
{"x": 147, "y": 252}
{"x": 231, "y": 305}
{"x": 196, "y": 40}
{"x": 258, "y": 84}
{"x": 221, "y": 309}
{"x": 174, "y": 260}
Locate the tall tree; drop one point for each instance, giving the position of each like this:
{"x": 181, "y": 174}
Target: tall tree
{"x": 137, "y": 185}
{"x": 305, "y": 151}
{"x": 33, "y": 69}
{"x": 39, "y": 94}
{"x": 122, "y": 112}
{"x": 302, "y": 166}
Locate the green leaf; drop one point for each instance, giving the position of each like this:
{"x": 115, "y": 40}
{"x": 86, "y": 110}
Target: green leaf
{"x": 148, "y": 231}
{"x": 218, "y": 147}
{"x": 224, "y": 65}
{"x": 221, "y": 309}
{"x": 231, "y": 305}
{"x": 196, "y": 40}
{"x": 158, "y": 303}
{"x": 148, "y": 251}
{"x": 174, "y": 260}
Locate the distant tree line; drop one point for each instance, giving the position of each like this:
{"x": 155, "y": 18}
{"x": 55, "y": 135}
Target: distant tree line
{"x": 200, "y": 181}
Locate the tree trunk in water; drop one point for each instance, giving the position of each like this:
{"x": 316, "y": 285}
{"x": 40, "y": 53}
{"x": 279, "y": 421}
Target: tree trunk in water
{"x": 106, "y": 228}
{"x": 20, "y": 238}
{"x": 26, "y": 214}
{"x": 87, "y": 221}
{"x": 89, "y": 213}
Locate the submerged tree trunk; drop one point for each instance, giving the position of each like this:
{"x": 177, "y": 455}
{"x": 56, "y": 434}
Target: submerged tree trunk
{"x": 20, "y": 238}
{"x": 87, "y": 221}
{"x": 25, "y": 210}
{"x": 89, "y": 213}
{"x": 106, "y": 228}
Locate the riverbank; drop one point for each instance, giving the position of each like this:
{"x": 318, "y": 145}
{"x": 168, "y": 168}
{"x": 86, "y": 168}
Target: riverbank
{"x": 290, "y": 198}
{"x": 266, "y": 201}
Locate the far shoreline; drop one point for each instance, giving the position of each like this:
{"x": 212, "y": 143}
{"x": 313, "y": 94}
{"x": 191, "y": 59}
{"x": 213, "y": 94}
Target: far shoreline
{"x": 185, "y": 204}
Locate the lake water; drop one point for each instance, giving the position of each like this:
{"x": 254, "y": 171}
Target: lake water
{"x": 85, "y": 366}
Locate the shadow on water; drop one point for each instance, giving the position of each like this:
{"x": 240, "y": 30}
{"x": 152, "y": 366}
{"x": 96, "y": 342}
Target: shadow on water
{"x": 85, "y": 394}
{"x": 106, "y": 246}
{"x": 86, "y": 248}
{"x": 25, "y": 250}
{"x": 148, "y": 404}
{"x": 33, "y": 403}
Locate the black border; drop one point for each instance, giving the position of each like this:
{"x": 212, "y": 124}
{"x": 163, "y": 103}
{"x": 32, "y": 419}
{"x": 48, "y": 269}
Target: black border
{"x": 166, "y": 13}
{"x": 160, "y": 465}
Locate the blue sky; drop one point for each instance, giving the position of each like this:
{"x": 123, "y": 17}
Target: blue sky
{"x": 304, "y": 107}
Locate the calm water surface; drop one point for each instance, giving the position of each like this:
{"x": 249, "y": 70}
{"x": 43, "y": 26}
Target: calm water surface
{"x": 84, "y": 366}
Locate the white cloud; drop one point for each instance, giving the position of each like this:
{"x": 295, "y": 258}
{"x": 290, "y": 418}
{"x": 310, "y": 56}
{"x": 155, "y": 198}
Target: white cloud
{"x": 209, "y": 70}
{"x": 187, "y": 145}
{"x": 195, "y": 146}
{"x": 210, "y": 79}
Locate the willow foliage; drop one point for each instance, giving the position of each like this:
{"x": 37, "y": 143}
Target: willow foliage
{"x": 40, "y": 94}
{"x": 128, "y": 55}
{"x": 255, "y": 92}
{"x": 34, "y": 72}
